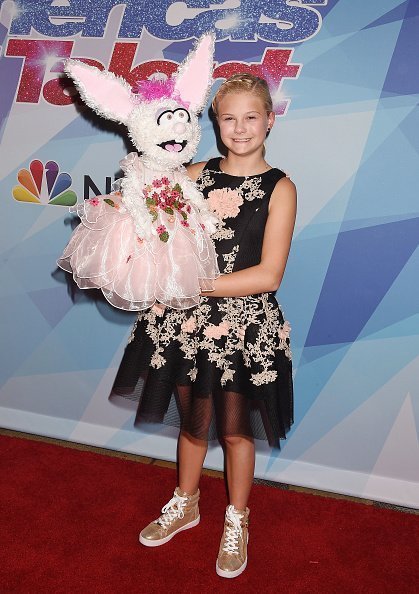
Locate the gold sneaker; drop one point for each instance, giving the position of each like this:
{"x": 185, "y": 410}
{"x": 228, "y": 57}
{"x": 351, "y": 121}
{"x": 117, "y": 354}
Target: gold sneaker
{"x": 232, "y": 556}
{"x": 180, "y": 513}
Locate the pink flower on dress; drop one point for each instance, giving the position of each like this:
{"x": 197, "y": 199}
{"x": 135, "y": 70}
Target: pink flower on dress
{"x": 217, "y": 331}
{"x": 94, "y": 201}
{"x": 157, "y": 183}
{"x": 284, "y": 331}
{"x": 225, "y": 202}
{"x": 184, "y": 223}
{"x": 189, "y": 325}
{"x": 161, "y": 229}
{"x": 165, "y": 181}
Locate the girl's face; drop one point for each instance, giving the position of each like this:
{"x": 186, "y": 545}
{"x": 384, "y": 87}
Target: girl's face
{"x": 243, "y": 122}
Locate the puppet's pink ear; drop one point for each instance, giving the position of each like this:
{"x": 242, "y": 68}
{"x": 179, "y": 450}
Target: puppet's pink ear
{"x": 107, "y": 94}
{"x": 194, "y": 76}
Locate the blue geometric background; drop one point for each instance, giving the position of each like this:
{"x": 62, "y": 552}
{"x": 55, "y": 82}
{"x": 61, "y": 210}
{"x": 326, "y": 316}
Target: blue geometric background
{"x": 350, "y": 141}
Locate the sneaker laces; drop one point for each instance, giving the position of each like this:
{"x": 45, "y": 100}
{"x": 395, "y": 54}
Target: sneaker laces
{"x": 233, "y": 530}
{"x": 172, "y": 510}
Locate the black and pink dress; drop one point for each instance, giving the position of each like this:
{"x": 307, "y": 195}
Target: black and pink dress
{"x": 222, "y": 368}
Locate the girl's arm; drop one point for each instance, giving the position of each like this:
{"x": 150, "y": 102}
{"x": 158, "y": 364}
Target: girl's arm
{"x": 194, "y": 169}
{"x": 267, "y": 275}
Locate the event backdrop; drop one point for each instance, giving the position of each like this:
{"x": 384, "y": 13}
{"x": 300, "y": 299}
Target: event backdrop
{"x": 344, "y": 76}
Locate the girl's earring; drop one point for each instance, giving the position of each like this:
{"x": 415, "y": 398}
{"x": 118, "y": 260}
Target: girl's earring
{"x": 267, "y": 132}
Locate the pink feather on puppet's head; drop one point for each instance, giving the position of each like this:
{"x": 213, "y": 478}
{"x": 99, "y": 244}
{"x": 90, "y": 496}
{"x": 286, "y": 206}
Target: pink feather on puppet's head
{"x": 151, "y": 90}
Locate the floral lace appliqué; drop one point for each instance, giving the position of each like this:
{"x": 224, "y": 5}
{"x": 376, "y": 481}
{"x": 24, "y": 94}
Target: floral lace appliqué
{"x": 229, "y": 259}
{"x": 251, "y": 325}
{"x": 205, "y": 180}
{"x": 225, "y": 202}
{"x": 223, "y": 233}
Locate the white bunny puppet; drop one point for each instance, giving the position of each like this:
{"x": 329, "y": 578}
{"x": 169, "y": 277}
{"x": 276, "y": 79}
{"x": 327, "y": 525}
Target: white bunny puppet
{"x": 149, "y": 241}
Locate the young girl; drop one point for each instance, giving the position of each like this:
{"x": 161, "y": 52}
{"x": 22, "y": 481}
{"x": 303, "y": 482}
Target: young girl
{"x": 228, "y": 359}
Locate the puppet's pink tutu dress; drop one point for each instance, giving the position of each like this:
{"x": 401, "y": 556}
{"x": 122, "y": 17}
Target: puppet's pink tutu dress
{"x": 159, "y": 251}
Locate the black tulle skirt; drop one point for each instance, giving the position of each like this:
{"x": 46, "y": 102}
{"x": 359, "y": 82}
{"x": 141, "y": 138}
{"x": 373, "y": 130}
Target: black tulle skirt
{"x": 220, "y": 369}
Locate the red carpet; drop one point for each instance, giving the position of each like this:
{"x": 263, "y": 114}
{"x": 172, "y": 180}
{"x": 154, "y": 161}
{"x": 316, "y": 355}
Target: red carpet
{"x": 70, "y": 523}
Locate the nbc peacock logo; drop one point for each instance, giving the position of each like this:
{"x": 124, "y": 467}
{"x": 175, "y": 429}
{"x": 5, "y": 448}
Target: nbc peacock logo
{"x": 44, "y": 184}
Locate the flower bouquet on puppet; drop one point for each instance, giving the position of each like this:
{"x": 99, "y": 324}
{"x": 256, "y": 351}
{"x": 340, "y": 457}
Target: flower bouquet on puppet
{"x": 149, "y": 241}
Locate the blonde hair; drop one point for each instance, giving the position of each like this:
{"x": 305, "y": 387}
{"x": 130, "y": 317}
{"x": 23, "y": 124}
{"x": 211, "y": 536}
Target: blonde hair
{"x": 244, "y": 82}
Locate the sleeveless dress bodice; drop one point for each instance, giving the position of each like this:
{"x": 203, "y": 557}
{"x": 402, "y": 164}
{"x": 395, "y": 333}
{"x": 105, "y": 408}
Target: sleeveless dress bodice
{"x": 246, "y": 199}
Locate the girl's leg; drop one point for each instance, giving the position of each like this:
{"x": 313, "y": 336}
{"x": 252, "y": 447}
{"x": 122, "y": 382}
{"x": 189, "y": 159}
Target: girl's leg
{"x": 233, "y": 411}
{"x": 240, "y": 467}
{"x": 191, "y": 456}
{"x": 196, "y": 417}
{"x": 240, "y": 463}
{"x": 182, "y": 511}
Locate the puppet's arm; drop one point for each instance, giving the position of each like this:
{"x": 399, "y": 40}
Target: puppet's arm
{"x": 132, "y": 186}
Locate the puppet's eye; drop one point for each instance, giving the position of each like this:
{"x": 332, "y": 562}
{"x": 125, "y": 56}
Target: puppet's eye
{"x": 165, "y": 117}
{"x": 182, "y": 115}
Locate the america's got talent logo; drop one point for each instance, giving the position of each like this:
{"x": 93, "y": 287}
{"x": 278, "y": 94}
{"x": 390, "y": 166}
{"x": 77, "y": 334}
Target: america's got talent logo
{"x": 61, "y": 26}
